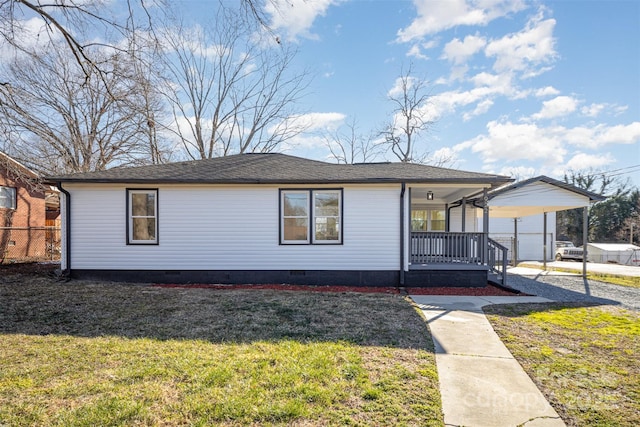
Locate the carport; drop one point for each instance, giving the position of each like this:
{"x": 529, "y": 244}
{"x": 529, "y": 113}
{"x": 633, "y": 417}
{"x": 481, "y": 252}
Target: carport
{"x": 541, "y": 195}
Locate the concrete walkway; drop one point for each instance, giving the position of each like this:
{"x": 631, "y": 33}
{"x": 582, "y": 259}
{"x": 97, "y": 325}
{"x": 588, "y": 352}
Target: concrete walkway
{"x": 481, "y": 383}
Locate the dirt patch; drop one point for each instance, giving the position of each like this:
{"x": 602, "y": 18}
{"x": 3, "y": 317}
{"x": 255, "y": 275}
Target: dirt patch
{"x": 30, "y": 268}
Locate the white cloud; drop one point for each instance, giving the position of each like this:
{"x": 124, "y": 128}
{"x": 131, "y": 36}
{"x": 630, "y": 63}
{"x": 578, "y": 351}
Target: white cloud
{"x": 510, "y": 142}
{"x": 506, "y": 141}
{"x": 33, "y": 35}
{"x": 458, "y": 51}
{"x": 556, "y": 107}
{"x": 296, "y": 17}
{"x": 534, "y": 46}
{"x": 481, "y": 108}
{"x": 593, "y": 110}
{"x": 600, "y": 135}
{"x": 436, "y": 16}
{"x": 546, "y": 91}
{"x": 318, "y": 121}
{"x": 416, "y": 52}
{"x": 444, "y": 157}
{"x": 519, "y": 172}
{"x": 582, "y": 161}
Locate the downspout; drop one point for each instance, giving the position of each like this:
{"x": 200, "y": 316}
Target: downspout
{"x": 67, "y": 224}
{"x": 402, "y": 191}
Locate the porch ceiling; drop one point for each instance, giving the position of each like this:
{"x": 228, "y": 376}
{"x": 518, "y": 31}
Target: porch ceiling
{"x": 520, "y": 211}
{"x": 443, "y": 193}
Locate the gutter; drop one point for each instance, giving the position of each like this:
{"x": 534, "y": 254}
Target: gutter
{"x": 402, "y": 191}
{"x": 67, "y": 221}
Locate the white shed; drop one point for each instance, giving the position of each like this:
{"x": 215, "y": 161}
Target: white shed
{"x": 615, "y": 253}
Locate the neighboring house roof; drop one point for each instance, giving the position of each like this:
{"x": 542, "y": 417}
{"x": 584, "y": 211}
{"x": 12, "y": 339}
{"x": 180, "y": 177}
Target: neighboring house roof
{"x": 593, "y": 197}
{"x": 16, "y": 167}
{"x": 276, "y": 168}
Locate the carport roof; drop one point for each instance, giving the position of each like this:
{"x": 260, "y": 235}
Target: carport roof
{"x": 593, "y": 197}
{"x": 515, "y": 200}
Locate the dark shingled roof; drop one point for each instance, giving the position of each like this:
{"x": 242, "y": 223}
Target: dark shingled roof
{"x": 276, "y": 168}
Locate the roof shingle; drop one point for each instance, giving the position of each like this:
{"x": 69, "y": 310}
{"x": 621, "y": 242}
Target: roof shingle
{"x": 277, "y": 168}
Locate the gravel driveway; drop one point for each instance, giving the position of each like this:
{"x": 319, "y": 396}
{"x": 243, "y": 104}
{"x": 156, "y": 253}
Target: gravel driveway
{"x": 570, "y": 287}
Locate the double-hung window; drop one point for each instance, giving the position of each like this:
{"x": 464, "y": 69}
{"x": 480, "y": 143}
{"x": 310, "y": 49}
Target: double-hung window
{"x": 428, "y": 220}
{"x": 311, "y": 217}
{"x": 7, "y": 197}
{"x": 142, "y": 216}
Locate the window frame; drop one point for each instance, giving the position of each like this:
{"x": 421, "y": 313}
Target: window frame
{"x": 428, "y": 220}
{"x": 129, "y": 220}
{"x": 311, "y": 217}
{"x": 14, "y": 197}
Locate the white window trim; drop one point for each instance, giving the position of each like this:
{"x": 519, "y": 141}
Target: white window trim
{"x": 311, "y": 229}
{"x": 282, "y": 218}
{"x": 313, "y": 217}
{"x": 13, "y": 197}
{"x": 130, "y": 217}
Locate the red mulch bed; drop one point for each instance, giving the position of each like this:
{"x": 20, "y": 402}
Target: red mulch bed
{"x": 488, "y": 290}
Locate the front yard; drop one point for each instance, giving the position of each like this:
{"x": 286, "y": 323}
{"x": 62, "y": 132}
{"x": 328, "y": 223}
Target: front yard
{"x": 585, "y": 360}
{"x": 89, "y": 353}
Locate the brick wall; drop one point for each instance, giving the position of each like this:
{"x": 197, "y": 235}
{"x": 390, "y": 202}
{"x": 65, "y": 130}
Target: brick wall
{"x": 22, "y": 240}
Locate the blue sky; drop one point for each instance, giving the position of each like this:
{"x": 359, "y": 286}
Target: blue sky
{"x": 517, "y": 88}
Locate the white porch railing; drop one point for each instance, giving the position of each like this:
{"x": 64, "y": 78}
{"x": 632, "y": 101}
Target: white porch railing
{"x": 429, "y": 247}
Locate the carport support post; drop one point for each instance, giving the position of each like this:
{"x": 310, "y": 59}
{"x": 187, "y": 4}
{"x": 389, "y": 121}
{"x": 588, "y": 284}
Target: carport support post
{"x": 515, "y": 241}
{"x": 585, "y": 239}
{"x": 544, "y": 241}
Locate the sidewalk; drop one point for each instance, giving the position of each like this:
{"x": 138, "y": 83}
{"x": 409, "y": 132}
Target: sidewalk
{"x": 481, "y": 383}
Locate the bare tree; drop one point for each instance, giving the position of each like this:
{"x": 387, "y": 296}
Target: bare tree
{"x": 347, "y": 145}
{"x": 230, "y": 92}
{"x": 61, "y": 119}
{"x": 67, "y": 20}
{"x": 409, "y": 120}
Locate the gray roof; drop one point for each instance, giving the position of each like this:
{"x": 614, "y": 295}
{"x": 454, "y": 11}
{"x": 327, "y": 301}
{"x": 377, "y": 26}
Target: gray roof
{"x": 276, "y": 168}
{"x": 593, "y": 197}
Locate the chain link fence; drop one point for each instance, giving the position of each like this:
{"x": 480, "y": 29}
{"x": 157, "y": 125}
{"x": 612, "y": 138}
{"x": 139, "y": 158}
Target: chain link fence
{"x": 29, "y": 244}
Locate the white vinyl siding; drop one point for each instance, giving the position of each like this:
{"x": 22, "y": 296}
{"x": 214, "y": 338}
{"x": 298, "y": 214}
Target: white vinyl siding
{"x": 230, "y": 228}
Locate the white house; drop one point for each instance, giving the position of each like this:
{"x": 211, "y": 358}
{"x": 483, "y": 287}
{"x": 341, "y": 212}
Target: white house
{"x": 274, "y": 218}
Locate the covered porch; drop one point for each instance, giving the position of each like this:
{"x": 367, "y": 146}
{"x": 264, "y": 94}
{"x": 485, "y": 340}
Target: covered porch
{"x": 445, "y": 247}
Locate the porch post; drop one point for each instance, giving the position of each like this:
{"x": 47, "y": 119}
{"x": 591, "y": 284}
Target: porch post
{"x": 544, "y": 241}
{"x": 485, "y": 225}
{"x": 464, "y": 214}
{"x": 585, "y": 239}
{"x": 402, "y": 230}
{"x": 446, "y": 217}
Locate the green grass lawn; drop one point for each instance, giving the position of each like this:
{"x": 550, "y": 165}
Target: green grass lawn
{"x": 88, "y": 354}
{"x": 586, "y": 360}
